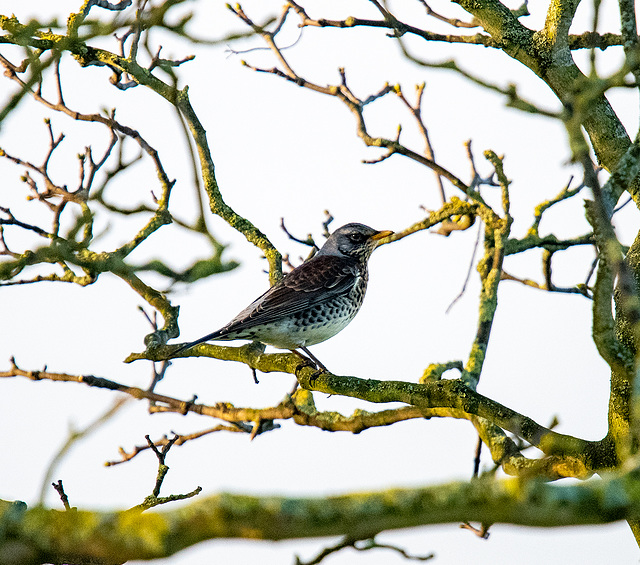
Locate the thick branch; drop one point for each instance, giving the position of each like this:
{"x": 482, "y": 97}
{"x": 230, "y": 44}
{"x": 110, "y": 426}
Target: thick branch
{"x": 588, "y": 40}
{"x": 43, "y": 535}
{"x": 451, "y": 394}
{"x": 548, "y": 55}
{"x": 217, "y": 204}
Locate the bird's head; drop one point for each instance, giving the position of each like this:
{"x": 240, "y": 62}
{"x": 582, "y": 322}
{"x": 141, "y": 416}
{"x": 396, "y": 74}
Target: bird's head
{"x": 353, "y": 240}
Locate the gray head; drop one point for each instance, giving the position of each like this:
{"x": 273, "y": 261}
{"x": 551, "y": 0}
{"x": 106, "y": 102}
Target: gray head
{"x": 353, "y": 240}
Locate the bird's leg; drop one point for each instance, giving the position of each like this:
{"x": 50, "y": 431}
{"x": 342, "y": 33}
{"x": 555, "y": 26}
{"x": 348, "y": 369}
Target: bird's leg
{"x": 314, "y": 359}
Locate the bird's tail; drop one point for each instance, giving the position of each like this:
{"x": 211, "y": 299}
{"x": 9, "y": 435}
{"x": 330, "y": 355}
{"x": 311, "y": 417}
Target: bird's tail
{"x": 215, "y": 335}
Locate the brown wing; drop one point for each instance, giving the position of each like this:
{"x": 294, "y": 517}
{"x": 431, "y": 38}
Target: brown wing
{"x": 321, "y": 278}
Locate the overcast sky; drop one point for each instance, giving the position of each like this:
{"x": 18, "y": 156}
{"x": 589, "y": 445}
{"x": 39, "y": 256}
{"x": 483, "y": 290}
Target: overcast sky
{"x": 282, "y": 151}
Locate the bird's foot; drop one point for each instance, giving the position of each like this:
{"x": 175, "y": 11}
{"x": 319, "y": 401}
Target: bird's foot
{"x": 317, "y": 373}
{"x": 310, "y": 360}
{"x": 309, "y": 363}
{"x": 304, "y": 362}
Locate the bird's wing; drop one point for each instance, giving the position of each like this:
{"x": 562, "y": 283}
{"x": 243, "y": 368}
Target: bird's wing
{"x": 321, "y": 278}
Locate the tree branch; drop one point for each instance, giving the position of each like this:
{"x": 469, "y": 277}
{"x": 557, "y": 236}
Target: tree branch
{"x": 107, "y": 537}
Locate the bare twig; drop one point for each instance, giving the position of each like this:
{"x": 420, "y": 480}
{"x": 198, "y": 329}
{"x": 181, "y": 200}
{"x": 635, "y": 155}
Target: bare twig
{"x": 154, "y": 499}
{"x": 179, "y": 439}
{"x": 482, "y": 532}
{"x": 11, "y": 220}
{"x": 63, "y": 496}
{"x": 472, "y": 261}
{"x": 361, "y": 544}
{"x": 416, "y": 110}
{"x": 309, "y": 241}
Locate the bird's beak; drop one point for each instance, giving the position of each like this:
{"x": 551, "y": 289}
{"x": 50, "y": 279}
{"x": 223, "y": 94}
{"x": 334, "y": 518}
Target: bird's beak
{"x": 381, "y": 235}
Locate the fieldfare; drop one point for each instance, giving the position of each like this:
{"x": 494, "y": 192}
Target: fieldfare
{"x": 313, "y": 302}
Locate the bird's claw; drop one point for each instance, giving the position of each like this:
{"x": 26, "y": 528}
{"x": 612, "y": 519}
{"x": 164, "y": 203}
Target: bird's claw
{"x": 309, "y": 363}
{"x": 316, "y": 374}
{"x": 304, "y": 363}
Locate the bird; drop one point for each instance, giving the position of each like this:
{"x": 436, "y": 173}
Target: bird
{"x": 313, "y": 302}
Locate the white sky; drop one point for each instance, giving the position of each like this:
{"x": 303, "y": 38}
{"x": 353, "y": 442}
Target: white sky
{"x": 282, "y": 151}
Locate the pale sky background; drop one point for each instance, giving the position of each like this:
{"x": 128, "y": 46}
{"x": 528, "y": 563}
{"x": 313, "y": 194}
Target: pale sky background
{"x": 284, "y": 151}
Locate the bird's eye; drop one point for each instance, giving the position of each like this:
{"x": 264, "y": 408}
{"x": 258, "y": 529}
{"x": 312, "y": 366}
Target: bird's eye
{"x": 356, "y": 237}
